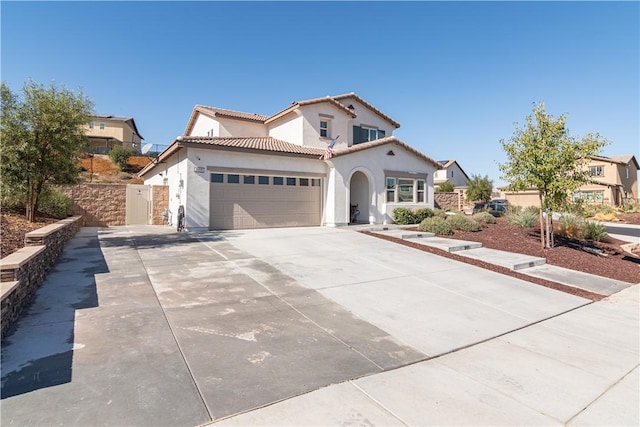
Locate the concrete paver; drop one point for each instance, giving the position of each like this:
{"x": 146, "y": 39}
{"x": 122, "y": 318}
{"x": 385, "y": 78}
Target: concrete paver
{"x": 512, "y": 261}
{"x": 577, "y": 279}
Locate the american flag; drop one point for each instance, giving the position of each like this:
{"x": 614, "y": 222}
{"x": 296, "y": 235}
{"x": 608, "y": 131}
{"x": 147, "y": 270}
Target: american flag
{"x": 329, "y": 153}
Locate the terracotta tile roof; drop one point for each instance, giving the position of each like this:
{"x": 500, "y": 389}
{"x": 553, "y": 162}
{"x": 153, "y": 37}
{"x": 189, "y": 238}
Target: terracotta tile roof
{"x": 259, "y": 143}
{"x": 259, "y": 118}
{"x": 295, "y": 104}
{"x": 382, "y": 141}
{"x": 365, "y": 103}
{"x": 213, "y": 111}
{"x": 221, "y": 112}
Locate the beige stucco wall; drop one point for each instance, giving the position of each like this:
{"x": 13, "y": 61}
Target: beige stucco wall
{"x": 119, "y": 130}
{"x": 522, "y": 198}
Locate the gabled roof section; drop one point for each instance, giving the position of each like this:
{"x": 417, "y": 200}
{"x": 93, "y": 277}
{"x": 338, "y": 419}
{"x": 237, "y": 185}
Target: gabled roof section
{"x": 366, "y": 104}
{"x": 296, "y": 104}
{"x": 621, "y": 160}
{"x": 382, "y": 141}
{"x": 214, "y": 112}
{"x": 257, "y": 144}
{"x": 128, "y": 120}
{"x": 626, "y": 159}
{"x": 448, "y": 163}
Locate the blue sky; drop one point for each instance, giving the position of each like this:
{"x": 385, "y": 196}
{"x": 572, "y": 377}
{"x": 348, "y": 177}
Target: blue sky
{"x": 456, "y": 75}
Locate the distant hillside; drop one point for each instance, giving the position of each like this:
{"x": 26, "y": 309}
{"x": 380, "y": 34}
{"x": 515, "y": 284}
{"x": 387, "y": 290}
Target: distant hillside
{"x": 100, "y": 169}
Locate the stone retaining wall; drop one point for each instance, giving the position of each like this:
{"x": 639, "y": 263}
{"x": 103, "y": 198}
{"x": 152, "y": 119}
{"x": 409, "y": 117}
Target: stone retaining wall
{"x": 447, "y": 201}
{"x": 101, "y": 205}
{"x": 23, "y": 271}
{"x": 160, "y": 202}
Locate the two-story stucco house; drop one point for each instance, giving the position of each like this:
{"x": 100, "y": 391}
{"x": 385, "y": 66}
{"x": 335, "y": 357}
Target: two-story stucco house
{"x": 614, "y": 181}
{"x": 452, "y": 172}
{"x": 235, "y": 170}
{"x": 105, "y": 132}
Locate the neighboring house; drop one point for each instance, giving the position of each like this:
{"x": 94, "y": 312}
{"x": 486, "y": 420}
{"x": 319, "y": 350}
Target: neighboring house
{"x": 614, "y": 181}
{"x": 105, "y": 132}
{"x": 234, "y": 170}
{"x": 452, "y": 172}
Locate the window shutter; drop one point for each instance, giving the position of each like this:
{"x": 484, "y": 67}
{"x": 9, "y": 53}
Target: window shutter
{"x": 360, "y": 135}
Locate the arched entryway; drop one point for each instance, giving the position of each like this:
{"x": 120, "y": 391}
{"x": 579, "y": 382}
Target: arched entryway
{"x": 360, "y": 198}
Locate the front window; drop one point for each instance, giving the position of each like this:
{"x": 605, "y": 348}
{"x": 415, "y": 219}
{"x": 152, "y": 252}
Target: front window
{"x": 324, "y": 128}
{"x": 391, "y": 190}
{"x": 91, "y": 125}
{"x": 589, "y": 196}
{"x": 366, "y": 133}
{"x": 596, "y": 171}
{"x": 420, "y": 191}
{"x": 102, "y": 126}
{"x": 405, "y": 190}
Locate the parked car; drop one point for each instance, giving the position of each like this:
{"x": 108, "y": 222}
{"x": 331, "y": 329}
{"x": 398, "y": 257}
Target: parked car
{"x": 494, "y": 207}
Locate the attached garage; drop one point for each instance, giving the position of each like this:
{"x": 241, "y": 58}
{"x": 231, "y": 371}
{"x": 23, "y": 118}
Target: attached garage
{"x": 261, "y": 199}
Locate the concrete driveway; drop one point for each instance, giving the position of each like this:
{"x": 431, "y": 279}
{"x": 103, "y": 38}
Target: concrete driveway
{"x": 144, "y": 326}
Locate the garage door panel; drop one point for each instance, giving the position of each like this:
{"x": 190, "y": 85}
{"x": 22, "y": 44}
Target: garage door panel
{"x": 243, "y": 206}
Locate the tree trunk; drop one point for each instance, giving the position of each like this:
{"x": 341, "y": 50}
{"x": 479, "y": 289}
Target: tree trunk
{"x": 541, "y": 222}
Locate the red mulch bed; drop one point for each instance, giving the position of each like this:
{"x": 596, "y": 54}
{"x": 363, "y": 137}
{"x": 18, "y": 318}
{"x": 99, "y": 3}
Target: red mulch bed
{"x": 14, "y": 226}
{"x": 504, "y": 236}
{"x": 629, "y": 218}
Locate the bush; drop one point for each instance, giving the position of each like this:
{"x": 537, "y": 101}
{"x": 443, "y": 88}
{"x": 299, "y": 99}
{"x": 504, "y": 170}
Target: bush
{"x": 462, "y": 223}
{"x": 13, "y": 199}
{"x": 120, "y": 155}
{"x": 55, "y": 203}
{"x": 436, "y": 225}
{"x": 570, "y": 226}
{"x": 525, "y": 218}
{"x": 403, "y": 216}
{"x": 484, "y": 218}
{"x": 421, "y": 214}
{"x": 437, "y": 212}
{"x": 445, "y": 187}
{"x": 593, "y": 231}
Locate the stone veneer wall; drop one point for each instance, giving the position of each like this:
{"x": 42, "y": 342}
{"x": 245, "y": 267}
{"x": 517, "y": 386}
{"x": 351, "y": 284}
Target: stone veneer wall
{"x": 23, "y": 271}
{"x": 160, "y": 202}
{"x": 446, "y": 201}
{"x": 100, "y": 205}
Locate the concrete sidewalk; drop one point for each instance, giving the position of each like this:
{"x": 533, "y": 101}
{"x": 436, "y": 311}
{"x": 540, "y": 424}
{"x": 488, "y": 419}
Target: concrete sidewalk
{"x": 145, "y": 326}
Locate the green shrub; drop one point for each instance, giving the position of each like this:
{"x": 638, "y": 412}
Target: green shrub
{"x": 484, "y": 218}
{"x": 570, "y": 226}
{"x": 445, "y": 187}
{"x": 421, "y": 214}
{"x": 630, "y": 207}
{"x": 13, "y": 199}
{"x": 437, "y": 212}
{"x": 53, "y": 202}
{"x": 462, "y": 223}
{"x": 594, "y": 231}
{"x": 436, "y": 225}
{"x": 525, "y": 218}
{"x": 120, "y": 155}
{"x": 403, "y": 216}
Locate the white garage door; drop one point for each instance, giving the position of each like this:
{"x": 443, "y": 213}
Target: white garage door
{"x": 240, "y": 201}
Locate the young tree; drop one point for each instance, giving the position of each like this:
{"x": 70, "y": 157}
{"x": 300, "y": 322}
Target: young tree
{"x": 479, "y": 189}
{"x": 543, "y": 155}
{"x": 445, "y": 187}
{"x": 42, "y": 136}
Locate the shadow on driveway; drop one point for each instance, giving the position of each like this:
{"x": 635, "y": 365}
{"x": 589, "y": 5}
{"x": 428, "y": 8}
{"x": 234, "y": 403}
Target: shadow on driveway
{"x": 38, "y": 350}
